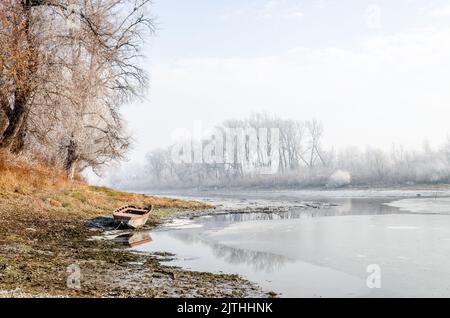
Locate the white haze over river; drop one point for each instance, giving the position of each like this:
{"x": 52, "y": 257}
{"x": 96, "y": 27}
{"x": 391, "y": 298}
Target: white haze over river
{"x": 320, "y": 252}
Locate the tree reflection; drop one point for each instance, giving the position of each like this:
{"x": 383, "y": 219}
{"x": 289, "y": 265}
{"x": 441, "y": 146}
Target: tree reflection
{"x": 259, "y": 261}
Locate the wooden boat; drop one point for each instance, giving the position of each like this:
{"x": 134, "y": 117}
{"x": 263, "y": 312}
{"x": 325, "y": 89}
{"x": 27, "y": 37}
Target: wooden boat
{"x": 131, "y": 216}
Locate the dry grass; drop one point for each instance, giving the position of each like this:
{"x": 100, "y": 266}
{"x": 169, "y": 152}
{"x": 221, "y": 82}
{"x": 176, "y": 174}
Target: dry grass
{"x": 20, "y": 176}
{"x": 43, "y": 229}
{"x": 46, "y": 190}
{"x": 35, "y": 196}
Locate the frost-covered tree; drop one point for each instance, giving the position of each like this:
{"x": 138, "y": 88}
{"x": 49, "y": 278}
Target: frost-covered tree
{"x": 66, "y": 68}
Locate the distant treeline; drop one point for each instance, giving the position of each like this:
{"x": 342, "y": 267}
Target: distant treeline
{"x": 302, "y": 162}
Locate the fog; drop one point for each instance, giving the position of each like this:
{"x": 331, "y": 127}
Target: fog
{"x": 376, "y": 76}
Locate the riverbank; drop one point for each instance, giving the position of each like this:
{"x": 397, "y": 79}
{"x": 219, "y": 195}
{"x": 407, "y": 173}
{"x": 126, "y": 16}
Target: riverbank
{"x": 46, "y": 227}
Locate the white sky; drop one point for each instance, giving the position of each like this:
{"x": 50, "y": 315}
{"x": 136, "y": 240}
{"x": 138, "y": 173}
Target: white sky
{"x": 374, "y": 72}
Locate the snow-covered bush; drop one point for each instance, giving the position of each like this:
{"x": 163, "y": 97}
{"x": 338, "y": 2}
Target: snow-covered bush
{"x": 339, "y": 178}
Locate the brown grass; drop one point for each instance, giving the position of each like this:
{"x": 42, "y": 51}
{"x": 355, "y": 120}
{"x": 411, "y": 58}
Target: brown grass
{"x": 47, "y": 190}
{"x": 34, "y": 196}
{"x": 43, "y": 227}
{"x": 18, "y": 175}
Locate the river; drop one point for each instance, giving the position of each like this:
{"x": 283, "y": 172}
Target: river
{"x": 340, "y": 244}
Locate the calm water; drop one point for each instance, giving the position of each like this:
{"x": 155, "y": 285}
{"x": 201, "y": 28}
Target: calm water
{"x": 316, "y": 252}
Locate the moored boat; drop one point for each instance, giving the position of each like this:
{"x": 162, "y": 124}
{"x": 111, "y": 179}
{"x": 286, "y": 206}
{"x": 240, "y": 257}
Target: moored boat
{"x": 132, "y": 216}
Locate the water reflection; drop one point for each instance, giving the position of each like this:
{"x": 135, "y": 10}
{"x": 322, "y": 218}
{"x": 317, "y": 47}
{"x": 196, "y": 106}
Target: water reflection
{"x": 134, "y": 239}
{"x": 336, "y": 207}
{"x": 258, "y": 261}
{"x": 200, "y": 232}
{"x": 316, "y": 252}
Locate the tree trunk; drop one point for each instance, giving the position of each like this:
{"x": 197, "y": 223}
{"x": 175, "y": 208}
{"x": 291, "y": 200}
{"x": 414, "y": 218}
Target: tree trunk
{"x": 13, "y": 136}
{"x": 71, "y": 159}
{"x": 3, "y": 122}
{"x": 72, "y": 171}
{"x": 16, "y": 122}
{"x": 19, "y": 142}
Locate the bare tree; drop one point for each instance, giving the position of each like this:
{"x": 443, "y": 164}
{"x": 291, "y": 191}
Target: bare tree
{"x": 157, "y": 163}
{"x": 62, "y": 83}
{"x": 315, "y": 130}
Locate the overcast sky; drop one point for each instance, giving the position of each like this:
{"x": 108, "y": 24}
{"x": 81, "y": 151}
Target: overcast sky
{"x": 374, "y": 72}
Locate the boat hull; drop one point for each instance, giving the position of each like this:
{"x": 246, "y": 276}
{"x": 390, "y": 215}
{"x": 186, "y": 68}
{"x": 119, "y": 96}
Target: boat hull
{"x": 137, "y": 223}
{"x": 131, "y": 216}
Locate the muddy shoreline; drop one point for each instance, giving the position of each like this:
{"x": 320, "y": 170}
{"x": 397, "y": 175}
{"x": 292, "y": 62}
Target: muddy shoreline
{"x": 44, "y": 234}
{"x": 147, "y": 273}
{"x": 107, "y": 269}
